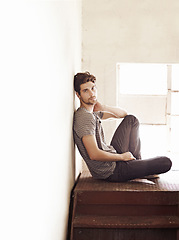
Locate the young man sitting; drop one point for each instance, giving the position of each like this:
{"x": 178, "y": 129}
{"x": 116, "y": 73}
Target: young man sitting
{"x": 121, "y": 160}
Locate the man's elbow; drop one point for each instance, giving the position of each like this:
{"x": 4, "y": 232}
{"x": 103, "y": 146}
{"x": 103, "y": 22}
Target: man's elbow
{"x": 125, "y": 114}
{"x": 94, "y": 155}
{"x": 122, "y": 113}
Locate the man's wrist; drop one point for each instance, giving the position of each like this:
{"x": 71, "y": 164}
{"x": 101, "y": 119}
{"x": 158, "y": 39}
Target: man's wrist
{"x": 119, "y": 157}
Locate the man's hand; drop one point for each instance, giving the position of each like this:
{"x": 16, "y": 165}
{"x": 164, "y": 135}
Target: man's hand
{"x": 127, "y": 156}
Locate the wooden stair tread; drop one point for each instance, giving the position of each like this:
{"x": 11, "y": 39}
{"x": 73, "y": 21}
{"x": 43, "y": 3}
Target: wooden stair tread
{"x": 168, "y": 182}
{"x": 88, "y": 221}
{"x": 127, "y": 198}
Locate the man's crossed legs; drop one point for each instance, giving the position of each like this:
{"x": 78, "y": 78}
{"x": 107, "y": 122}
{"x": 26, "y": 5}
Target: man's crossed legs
{"x": 126, "y": 139}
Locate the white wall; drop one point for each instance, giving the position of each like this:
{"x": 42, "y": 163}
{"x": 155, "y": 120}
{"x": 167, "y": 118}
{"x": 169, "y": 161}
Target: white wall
{"x": 127, "y": 31}
{"x": 40, "y": 50}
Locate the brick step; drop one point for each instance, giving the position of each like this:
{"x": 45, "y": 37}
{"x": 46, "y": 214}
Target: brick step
{"x": 89, "y": 221}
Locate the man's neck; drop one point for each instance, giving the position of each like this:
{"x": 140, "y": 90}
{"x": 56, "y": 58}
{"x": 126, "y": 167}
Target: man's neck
{"x": 87, "y": 106}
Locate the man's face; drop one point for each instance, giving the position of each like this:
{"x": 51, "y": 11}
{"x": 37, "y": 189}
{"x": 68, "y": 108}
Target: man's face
{"x": 88, "y": 93}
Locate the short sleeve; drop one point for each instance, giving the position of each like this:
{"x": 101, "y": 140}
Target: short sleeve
{"x": 84, "y": 124}
{"x": 99, "y": 114}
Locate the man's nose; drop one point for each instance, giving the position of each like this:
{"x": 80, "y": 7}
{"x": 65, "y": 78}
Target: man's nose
{"x": 91, "y": 93}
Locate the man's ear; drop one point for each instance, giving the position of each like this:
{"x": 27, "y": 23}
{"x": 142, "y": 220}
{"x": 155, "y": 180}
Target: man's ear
{"x": 78, "y": 95}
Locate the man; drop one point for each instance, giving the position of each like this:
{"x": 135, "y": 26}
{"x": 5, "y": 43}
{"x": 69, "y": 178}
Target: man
{"x": 121, "y": 160}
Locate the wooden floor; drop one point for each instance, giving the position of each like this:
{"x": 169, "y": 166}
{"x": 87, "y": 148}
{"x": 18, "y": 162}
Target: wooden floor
{"x": 139, "y": 209}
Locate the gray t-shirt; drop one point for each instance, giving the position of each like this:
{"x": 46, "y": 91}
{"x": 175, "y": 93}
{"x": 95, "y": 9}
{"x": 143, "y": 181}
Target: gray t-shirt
{"x": 86, "y": 123}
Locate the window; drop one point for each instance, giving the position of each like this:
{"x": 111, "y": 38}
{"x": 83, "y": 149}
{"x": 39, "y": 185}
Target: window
{"x": 151, "y": 92}
{"x": 148, "y": 79}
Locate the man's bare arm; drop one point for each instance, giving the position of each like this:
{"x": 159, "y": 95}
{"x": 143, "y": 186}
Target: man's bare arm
{"x": 99, "y": 155}
{"x": 110, "y": 112}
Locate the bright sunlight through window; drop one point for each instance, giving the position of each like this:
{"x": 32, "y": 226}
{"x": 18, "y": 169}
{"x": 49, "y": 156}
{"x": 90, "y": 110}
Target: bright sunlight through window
{"x": 150, "y": 79}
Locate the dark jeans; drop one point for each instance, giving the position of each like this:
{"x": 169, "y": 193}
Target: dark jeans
{"x": 126, "y": 139}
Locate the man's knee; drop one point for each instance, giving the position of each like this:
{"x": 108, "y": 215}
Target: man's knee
{"x": 132, "y": 119}
{"x": 164, "y": 163}
{"x": 168, "y": 163}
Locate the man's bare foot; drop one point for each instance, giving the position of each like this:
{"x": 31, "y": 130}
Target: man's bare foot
{"x": 154, "y": 176}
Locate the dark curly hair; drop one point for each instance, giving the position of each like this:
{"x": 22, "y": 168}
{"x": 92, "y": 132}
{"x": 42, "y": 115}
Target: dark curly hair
{"x": 81, "y": 78}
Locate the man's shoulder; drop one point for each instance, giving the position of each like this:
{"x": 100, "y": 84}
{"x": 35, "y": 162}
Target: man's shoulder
{"x": 83, "y": 119}
{"x": 83, "y": 113}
